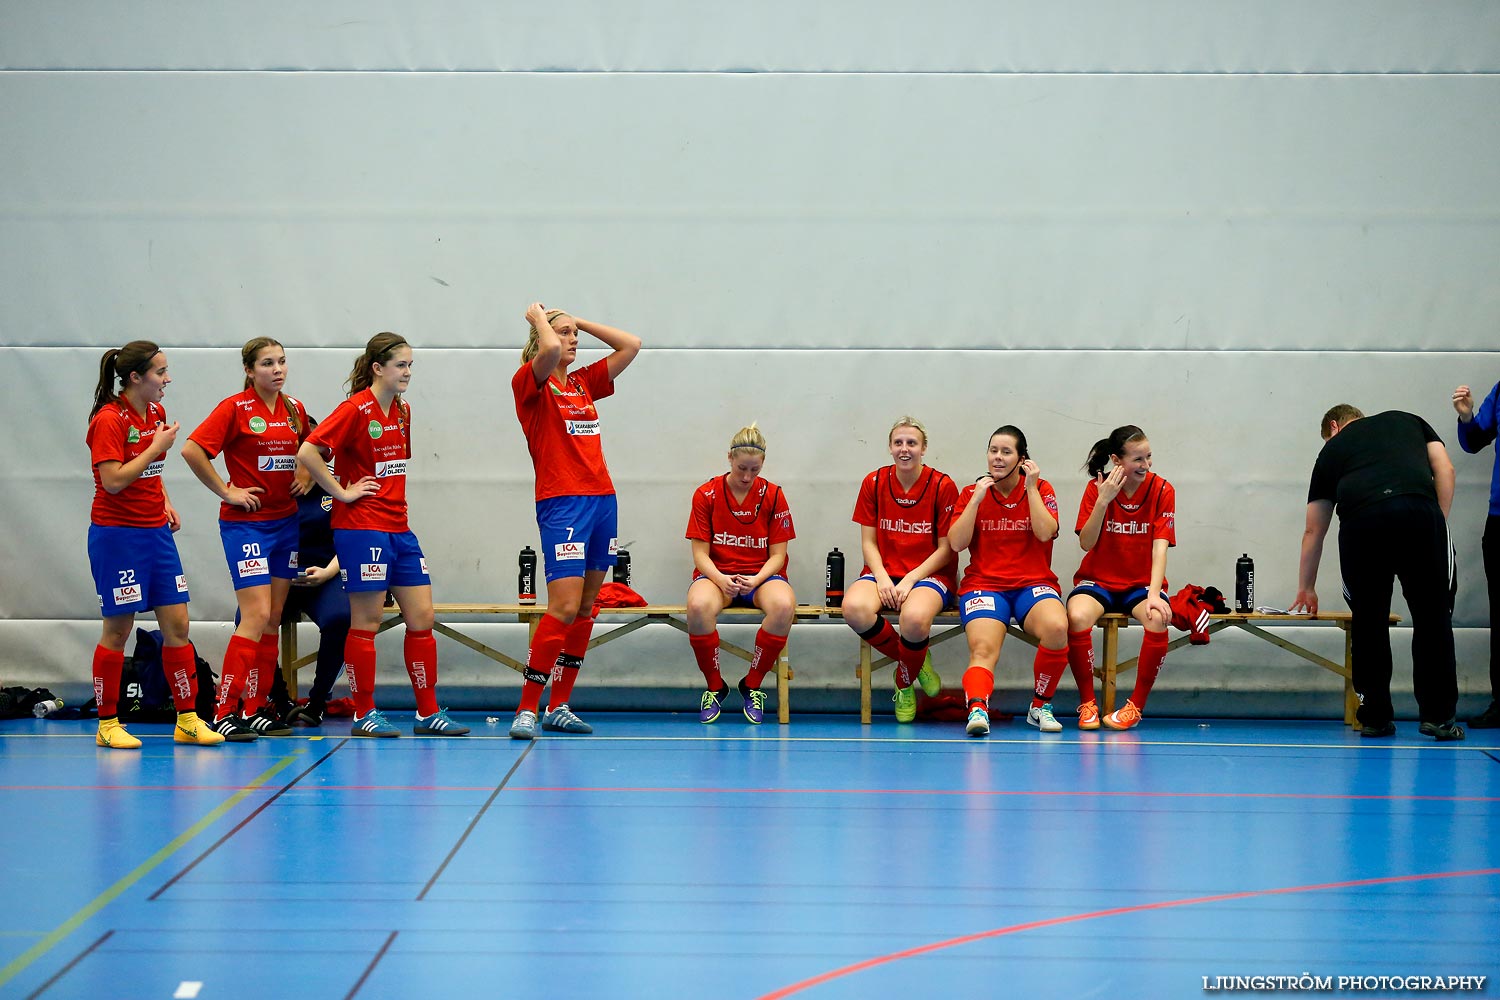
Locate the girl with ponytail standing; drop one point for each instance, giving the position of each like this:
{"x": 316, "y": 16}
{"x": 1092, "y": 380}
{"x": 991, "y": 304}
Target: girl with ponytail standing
{"x": 739, "y": 527}
{"x": 576, "y": 510}
{"x": 369, "y": 437}
{"x": 131, "y": 551}
{"x": 259, "y": 430}
{"x": 1126, "y": 522}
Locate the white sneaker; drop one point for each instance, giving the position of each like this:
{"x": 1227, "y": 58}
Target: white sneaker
{"x": 979, "y": 722}
{"x": 1041, "y": 717}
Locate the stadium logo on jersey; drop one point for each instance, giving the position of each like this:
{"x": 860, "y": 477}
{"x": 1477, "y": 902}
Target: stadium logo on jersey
{"x": 154, "y": 469}
{"x": 1005, "y": 524}
{"x": 384, "y": 470}
{"x": 128, "y": 595}
{"x": 565, "y": 551}
{"x": 372, "y": 572}
{"x": 979, "y": 603}
{"x": 585, "y": 428}
{"x": 1127, "y": 528}
{"x": 375, "y": 430}
{"x": 254, "y": 567}
{"x": 257, "y": 425}
{"x": 1044, "y": 592}
{"x": 134, "y": 436}
{"x": 326, "y": 503}
{"x": 902, "y": 526}
{"x": 276, "y": 463}
{"x": 740, "y": 541}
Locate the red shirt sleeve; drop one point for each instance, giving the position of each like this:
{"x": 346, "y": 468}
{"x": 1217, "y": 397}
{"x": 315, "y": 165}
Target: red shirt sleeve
{"x": 596, "y": 378}
{"x": 864, "y": 504}
{"x": 698, "y": 520}
{"x": 107, "y": 437}
{"x": 780, "y": 528}
{"x": 961, "y": 504}
{"x": 212, "y": 434}
{"x": 947, "y": 505}
{"x": 1164, "y": 524}
{"x": 1086, "y": 505}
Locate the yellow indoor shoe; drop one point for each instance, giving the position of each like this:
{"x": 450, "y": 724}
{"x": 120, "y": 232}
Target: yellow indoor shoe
{"x": 113, "y": 735}
{"x": 191, "y": 729}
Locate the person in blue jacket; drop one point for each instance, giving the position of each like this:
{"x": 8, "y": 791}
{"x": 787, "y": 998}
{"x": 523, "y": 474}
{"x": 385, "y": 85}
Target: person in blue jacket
{"x": 1476, "y": 429}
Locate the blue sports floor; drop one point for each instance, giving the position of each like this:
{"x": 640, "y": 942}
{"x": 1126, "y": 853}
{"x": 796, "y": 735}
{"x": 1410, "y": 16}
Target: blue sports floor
{"x": 663, "y": 858}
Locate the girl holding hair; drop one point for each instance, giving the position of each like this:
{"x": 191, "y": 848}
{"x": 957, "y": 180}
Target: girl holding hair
{"x": 1126, "y": 522}
{"x": 1007, "y": 521}
{"x": 131, "y": 551}
{"x": 259, "y": 430}
{"x": 904, "y": 512}
{"x": 576, "y": 510}
{"x": 739, "y": 528}
{"x": 369, "y": 436}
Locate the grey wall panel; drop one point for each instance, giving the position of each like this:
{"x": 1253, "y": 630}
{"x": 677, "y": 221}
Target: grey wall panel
{"x": 1179, "y": 36}
{"x": 757, "y": 211}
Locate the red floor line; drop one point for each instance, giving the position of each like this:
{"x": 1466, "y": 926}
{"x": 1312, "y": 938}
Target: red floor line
{"x": 927, "y": 949}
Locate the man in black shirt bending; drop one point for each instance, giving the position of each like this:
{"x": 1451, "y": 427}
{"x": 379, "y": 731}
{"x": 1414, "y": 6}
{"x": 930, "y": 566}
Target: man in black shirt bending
{"x": 1391, "y": 480}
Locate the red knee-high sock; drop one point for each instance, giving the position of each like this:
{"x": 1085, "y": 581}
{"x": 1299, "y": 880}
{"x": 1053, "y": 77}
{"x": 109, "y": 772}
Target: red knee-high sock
{"x": 883, "y": 638}
{"x": 267, "y": 651}
{"x": 239, "y": 663}
{"x": 420, "y": 650}
{"x": 546, "y": 644}
{"x": 107, "y": 666}
{"x": 569, "y": 661}
{"x": 359, "y": 668}
{"x": 1047, "y": 670}
{"x": 1081, "y": 660}
{"x": 768, "y": 649}
{"x": 979, "y": 684}
{"x": 1153, "y": 652}
{"x": 706, "y": 652}
{"x": 182, "y": 676}
{"x": 912, "y": 656}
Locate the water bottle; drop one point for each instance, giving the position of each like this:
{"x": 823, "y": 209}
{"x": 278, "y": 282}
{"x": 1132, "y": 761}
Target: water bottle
{"x": 621, "y": 573}
{"x": 42, "y": 709}
{"x": 1244, "y": 584}
{"x": 526, "y": 582}
{"x": 833, "y": 583}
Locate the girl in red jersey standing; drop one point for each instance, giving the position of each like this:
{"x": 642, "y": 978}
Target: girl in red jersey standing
{"x": 259, "y": 430}
{"x": 575, "y": 500}
{"x": 739, "y": 528}
{"x": 904, "y": 512}
{"x": 1126, "y": 523}
{"x": 369, "y": 437}
{"x": 1007, "y": 521}
{"x": 131, "y": 550}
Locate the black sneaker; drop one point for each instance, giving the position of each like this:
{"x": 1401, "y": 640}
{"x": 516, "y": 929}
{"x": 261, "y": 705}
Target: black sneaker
{"x": 1443, "y": 731}
{"x": 304, "y": 715}
{"x": 235, "y": 730}
{"x": 1488, "y": 719}
{"x": 265, "y": 723}
{"x": 1377, "y": 732}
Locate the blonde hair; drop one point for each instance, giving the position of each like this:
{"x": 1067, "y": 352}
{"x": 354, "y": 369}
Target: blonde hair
{"x": 533, "y": 339}
{"x": 748, "y": 439}
{"x": 248, "y": 355}
{"x": 908, "y": 421}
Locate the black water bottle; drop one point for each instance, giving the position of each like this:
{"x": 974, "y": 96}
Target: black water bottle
{"x": 833, "y": 583}
{"x": 622, "y": 567}
{"x": 1244, "y": 584}
{"x": 526, "y": 582}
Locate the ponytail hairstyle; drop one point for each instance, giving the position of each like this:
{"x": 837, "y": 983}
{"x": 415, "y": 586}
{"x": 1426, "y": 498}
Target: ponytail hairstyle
{"x": 1104, "y": 448}
{"x": 1011, "y": 430}
{"x": 907, "y": 421}
{"x": 378, "y": 352}
{"x": 748, "y": 440}
{"x": 119, "y": 364}
{"x": 533, "y": 339}
{"x": 248, "y": 354}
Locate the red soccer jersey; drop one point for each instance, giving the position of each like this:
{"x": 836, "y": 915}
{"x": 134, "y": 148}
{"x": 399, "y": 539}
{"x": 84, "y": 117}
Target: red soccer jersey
{"x": 260, "y": 449}
{"x": 562, "y": 430}
{"x": 368, "y": 442}
{"x": 1005, "y": 553}
{"x": 1121, "y": 558}
{"x": 118, "y": 434}
{"x": 740, "y": 536}
{"x": 908, "y": 525}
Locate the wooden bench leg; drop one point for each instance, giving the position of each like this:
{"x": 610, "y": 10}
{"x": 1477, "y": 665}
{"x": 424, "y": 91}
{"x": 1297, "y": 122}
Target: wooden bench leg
{"x": 1111, "y": 660}
{"x": 783, "y": 688}
{"x": 865, "y": 669}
